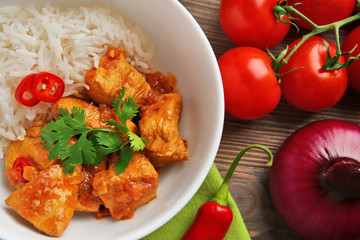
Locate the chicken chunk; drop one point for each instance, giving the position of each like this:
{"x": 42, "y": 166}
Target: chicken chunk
{"x": 160, "y": 82}
{"x": 31, "y": 148}
{"x": 49, "y": 200}
{"x": 87, "y": 202}
{"x": 95, "y": 116}
{"x": 159, "y": 127}
{"x": 113, "y": 73}
{"x": 123, "y": 193}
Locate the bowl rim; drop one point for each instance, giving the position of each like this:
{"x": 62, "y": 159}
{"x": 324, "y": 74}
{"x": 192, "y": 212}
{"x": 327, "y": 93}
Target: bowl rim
{"x": 218, "y": 133}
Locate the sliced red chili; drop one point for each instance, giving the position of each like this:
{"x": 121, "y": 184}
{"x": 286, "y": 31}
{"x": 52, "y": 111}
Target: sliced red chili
{"x": 18, "y": 168}
{"x": 48, "y": 87}
{"x": 24, "y": 94}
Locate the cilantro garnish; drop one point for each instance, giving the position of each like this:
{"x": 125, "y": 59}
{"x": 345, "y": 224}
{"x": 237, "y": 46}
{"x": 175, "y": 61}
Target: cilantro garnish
{"x": 92, "y": 143}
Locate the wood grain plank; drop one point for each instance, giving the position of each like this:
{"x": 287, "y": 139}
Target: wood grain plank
{"x": 250, "y": 183}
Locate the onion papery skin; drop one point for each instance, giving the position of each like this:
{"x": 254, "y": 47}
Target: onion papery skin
{"x": 304, "y": 203}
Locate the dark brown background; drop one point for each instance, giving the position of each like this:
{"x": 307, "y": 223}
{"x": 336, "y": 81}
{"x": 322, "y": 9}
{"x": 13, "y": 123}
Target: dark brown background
{"x": 250, "y": 183}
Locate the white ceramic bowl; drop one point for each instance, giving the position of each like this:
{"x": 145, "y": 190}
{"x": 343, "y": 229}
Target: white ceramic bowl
{"x": 183, "y": 49}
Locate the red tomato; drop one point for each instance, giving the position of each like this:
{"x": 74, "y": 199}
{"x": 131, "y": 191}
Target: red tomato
{"x": 18, "y": 168}
{"x": 24, "y": 94}
{"x": 310, "y": 87}
{"x": 322, "y": 12}
{"x": 250, "y": 86}
{"x": 47, "y": 87}
{"x": 252, "y": 23}
{"x": 353, "y": 70}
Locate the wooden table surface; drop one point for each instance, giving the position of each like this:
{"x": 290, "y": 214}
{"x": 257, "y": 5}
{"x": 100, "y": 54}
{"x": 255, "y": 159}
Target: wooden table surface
{"x": 250, "y": 183}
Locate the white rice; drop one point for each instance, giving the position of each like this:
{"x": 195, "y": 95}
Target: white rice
{"x": 66, "y": 43}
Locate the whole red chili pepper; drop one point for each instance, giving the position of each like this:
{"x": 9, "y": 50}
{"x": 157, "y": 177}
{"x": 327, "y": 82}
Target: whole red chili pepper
{"x": 214, "y": 217}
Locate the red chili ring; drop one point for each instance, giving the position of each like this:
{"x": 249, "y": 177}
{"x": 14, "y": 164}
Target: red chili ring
{"x": 24, "y": 94}
{"x": 18, "y": 168}
{"x": 47, "y": 87}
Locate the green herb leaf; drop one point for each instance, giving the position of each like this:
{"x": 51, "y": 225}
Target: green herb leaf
{"x": 105, "y": 143}
{"x": 82, "y": 151}
{"x": 109, "y": 140}
{"x": 92, "y": 148}
{"x": 123, "y": 129}
{"x": 100, "y": 151}
{"x": 129, "y": 110}
{"x": 57, "y": 134}
{"x": 117, "y": 102}
{"x": 126, "y": 154}
{"x": 136, "y": 142}
{"x": 129, "y": 107}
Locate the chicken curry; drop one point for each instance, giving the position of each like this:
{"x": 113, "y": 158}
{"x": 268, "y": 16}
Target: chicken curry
{"x": 48, "y": 198}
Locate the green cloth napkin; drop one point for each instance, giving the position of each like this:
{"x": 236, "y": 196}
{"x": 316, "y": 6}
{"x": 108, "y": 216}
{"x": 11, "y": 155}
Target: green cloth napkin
{"x": 177, "y": 226}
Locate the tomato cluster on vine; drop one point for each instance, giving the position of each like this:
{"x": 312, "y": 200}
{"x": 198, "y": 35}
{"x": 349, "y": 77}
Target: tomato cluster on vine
{"x": 312, "y": 74}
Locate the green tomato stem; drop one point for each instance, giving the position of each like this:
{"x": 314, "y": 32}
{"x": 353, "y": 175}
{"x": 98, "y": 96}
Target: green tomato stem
{"x": 294, "y": 10}
{"x": 221, "y": 196}
{"x": 317, "y": 29}
{"x": 337, "y": 37}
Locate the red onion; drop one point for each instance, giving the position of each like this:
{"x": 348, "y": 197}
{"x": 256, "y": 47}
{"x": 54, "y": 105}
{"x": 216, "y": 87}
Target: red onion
{"x": 315, "y": 180}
